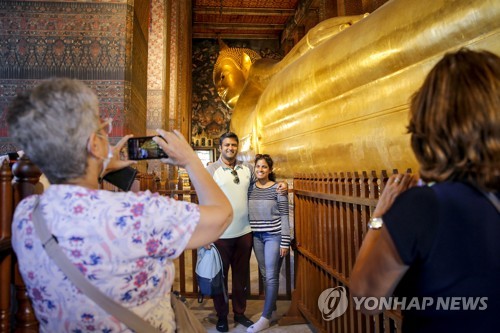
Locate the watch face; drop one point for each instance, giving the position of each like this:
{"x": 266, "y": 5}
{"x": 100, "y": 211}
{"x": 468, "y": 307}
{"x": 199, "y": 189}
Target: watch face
{"x": 375, "y": 223}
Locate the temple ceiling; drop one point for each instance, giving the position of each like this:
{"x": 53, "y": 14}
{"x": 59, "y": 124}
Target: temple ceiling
{"x": 242, "y": 19}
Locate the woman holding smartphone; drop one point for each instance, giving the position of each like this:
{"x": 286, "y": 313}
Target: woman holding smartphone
{"x": 268, "y": 215}
{"x": 124, "y": 243}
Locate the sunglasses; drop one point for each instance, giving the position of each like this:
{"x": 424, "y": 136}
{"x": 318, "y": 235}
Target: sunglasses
{"x": 236, "y": 179}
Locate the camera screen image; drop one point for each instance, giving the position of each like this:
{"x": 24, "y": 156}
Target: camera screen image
{"x": 144, "y": 148}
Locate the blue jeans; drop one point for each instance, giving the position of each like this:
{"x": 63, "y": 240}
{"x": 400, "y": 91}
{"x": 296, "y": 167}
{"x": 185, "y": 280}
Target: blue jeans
{"x": 267, "y": 251}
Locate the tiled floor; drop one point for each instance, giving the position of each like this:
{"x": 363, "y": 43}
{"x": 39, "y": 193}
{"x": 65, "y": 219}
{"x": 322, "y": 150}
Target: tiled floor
{"x": 206, "y": 314}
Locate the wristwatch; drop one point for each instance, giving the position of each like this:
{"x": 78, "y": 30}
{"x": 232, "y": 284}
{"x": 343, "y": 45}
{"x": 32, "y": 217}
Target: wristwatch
{"x": 375, "y": 223}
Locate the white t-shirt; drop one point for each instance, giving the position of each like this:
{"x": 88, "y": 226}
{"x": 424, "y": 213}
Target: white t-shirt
{"x": 237, "y": 193}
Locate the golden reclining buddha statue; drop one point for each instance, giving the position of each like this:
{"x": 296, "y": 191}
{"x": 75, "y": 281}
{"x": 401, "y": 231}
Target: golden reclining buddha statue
{"x": 338, "y": 101}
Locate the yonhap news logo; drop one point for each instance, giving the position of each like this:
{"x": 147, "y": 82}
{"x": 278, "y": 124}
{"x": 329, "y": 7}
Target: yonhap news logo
{"x": 421, "y": 303}
{"x": 333, "y": 303}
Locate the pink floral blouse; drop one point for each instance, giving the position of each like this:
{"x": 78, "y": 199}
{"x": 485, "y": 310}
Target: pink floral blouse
{"x": 123, "y": 242}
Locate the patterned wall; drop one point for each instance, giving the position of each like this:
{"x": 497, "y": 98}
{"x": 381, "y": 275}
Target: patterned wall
{"x": 210, "y": 117}
{"x": 84, "y": 40}
{"x": 136, "y": 112}
{"x": 91, "y": 41}
{"x": 156, "y": 67}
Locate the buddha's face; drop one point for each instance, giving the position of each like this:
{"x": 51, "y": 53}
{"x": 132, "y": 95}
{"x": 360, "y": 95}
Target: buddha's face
{"x": 229, "y": 81}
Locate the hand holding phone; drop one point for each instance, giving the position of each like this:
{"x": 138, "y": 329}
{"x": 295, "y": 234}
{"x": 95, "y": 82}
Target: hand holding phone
{"x": 117, "y": 163}
{"x": 144, "y": 148}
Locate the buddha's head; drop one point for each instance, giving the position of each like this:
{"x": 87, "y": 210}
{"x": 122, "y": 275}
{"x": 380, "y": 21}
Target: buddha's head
{"x": 231, "y": 72}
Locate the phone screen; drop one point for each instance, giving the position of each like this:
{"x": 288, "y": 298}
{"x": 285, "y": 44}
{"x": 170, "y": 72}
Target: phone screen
{"x": 144, "y": 148}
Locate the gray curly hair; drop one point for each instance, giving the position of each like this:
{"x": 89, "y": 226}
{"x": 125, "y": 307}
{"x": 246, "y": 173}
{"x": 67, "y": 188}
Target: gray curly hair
{"x": 52, "y": 125}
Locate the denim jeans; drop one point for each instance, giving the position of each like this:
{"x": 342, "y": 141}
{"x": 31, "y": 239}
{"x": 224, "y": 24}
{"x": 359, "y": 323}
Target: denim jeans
{"x": 267, "y": 251}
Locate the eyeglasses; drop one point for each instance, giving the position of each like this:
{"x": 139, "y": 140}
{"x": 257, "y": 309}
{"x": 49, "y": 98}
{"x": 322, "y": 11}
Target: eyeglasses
{"x": 106, "y": 126}
{"x": 236, "y": 179}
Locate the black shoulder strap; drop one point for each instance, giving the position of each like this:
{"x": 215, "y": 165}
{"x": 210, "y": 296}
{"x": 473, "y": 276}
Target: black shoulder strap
{"x": 489, "y": 195}
{"x": 493, "y": 199}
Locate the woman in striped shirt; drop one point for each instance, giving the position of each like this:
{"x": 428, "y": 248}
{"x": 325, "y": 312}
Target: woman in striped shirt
{"x": 268, "y": 215}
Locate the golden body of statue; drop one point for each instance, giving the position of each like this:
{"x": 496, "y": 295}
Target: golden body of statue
{"x": 339, "y": 100}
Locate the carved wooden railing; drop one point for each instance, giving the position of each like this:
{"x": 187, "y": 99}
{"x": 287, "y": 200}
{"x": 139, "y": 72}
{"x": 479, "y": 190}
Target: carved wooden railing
{"x": 22, "y": 180}
{"x": 15, "y": 184}
{"x": 331, "y": 215}
{"x": 185, "y": 282}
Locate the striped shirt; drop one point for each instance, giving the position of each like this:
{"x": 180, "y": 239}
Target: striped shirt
{"x": 268, "y": 212}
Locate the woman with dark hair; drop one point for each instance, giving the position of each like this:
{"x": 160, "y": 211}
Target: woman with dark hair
{"x": 437, "y": 246}
{"x": 268, "y": 214}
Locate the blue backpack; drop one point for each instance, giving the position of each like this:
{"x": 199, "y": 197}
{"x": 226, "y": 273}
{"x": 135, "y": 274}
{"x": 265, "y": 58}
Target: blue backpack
{"x": 210, "y": 273}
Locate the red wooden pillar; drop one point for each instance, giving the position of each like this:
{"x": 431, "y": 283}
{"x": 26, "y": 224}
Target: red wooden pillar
{"x": 7, "y": 204}
{"x": 26, "y": 178}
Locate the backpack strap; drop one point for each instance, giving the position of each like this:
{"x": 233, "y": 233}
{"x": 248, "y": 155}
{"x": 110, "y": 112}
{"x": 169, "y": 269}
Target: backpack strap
{"x": 224, "y": 291}
{"x": 201, "y": 297}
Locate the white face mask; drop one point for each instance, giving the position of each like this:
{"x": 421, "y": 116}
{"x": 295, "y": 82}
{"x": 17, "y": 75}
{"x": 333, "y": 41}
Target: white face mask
{"x": 106, "y": 160}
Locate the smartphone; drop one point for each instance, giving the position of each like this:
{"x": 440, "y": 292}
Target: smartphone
{"x": 123, "y": 178}
{"x": 144, "y": 148}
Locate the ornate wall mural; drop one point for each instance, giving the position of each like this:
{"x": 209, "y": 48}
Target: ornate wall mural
{"x": 210, "y": 117}
{"x": 84, "y": 40}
